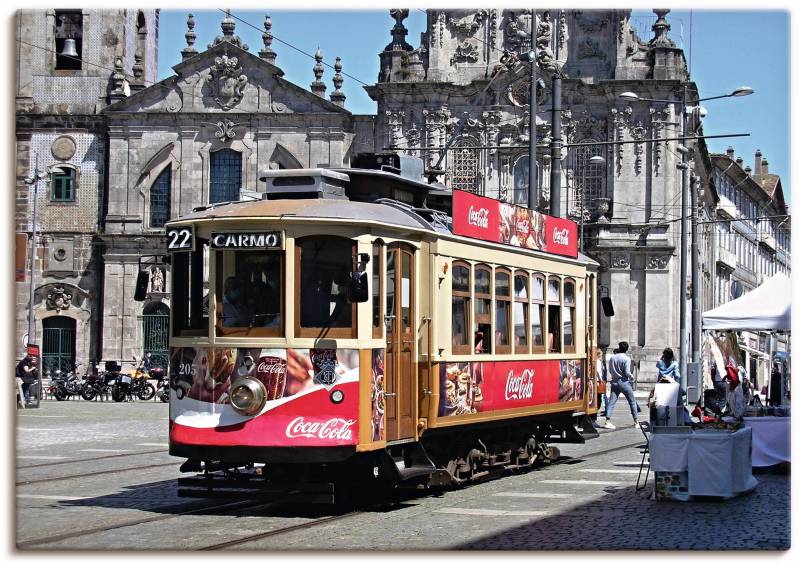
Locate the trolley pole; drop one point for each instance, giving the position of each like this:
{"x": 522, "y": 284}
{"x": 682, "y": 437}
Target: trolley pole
{"x": 533, "y": 169}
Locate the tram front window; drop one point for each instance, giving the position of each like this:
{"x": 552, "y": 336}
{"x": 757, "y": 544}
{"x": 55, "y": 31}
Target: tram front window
{"x": 325, "y": 264}
{"x": 251, "y": 293}
{"x": 189, "y": 291}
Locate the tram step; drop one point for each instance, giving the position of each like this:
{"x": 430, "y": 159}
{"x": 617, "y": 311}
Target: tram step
{"x": 412, "y": 461}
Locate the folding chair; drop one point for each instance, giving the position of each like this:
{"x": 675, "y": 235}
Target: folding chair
{"x": 646, "y": 430}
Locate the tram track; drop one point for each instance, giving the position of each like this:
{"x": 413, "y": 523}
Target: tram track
{"x": 239, "y": 506}
{"x": 92, "y": 459}
{"x": 96, "y": 473}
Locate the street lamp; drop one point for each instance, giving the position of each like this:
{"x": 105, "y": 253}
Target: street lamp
{"x": 698, "y": 112}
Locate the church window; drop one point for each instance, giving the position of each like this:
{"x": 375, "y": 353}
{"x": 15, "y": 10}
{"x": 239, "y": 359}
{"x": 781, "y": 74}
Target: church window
{"x": 589, "y": 180}
{"x": 62, "y": 185}
{"x": 226, "y": 176}
{"x": 464, "y": 170}
{"x": 69, "y": 39}
{"x": 160, "y": 199}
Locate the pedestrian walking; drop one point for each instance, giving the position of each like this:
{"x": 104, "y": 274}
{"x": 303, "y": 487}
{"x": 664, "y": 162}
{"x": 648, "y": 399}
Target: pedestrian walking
{"x": 619, "y": 369}
{"x": 26, "y": 371}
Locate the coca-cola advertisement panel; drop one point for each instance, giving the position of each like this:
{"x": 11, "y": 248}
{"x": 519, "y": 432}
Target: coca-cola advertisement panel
{"x": 495, "y": 221}
{"x": 479, "y": 387}
{"x": 298, "y": 410}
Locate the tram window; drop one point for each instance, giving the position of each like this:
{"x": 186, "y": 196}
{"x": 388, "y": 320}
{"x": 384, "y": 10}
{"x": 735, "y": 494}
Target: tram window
{"x": 568, "y": 313}
{"x": 553, "y": 314}
{"x": 325, "y": 263}
{"x": 502, "y": 291}
{"x": 537, "y": 313}
{"x": 251, "y": 291}
{"x": 520, "y": 313}
{"x": 377, "y": 305}
{"x": 483, "y": 311}
{"x": 461, "y": 308}
{"x": 405, "y": 293}
{"x": 189, "y": 291}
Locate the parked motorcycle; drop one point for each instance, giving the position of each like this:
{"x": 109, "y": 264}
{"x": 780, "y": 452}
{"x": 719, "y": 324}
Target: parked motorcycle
{"x": 162, "y": 389}
{"x": 99, "y": 384}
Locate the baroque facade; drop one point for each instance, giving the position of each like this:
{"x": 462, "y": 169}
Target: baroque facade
{"x": 131, "y": 152}
{"x": 466, "y": 81}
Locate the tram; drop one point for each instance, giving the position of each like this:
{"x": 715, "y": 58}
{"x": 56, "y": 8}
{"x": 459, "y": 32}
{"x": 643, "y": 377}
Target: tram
{"x": 363, "y": 325}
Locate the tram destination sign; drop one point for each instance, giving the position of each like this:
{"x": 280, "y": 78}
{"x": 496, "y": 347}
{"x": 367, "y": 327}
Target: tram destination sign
{"x": 491, "y": 220}
{"x": 247, "y": 240}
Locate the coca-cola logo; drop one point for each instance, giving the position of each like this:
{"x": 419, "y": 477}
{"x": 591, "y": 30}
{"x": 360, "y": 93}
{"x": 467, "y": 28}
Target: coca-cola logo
{"x": 561, "y": 236}
{"x": 523, "y": 226}
{"x": 271, "y": 365}
{"x": 332, "y": 429}
{"x": 478, "y": 217}
{"x": 519, "y": 386}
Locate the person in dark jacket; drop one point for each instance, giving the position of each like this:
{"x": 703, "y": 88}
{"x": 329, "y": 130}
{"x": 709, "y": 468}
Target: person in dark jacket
{"x": 26, "y": 370}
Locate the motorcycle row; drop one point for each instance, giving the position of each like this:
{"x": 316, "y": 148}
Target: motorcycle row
{"x": 111, "y": 383}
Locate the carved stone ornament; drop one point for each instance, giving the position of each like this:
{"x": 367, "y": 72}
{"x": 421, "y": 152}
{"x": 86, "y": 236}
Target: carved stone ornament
{"x": 227, "y": 81}
{"x": 469, "y": 25}
{"x": 620, "y": 262}
{"x": 225, "y": 129}
{"x": 63, "y": 148}
{"x": 591, "y": 22}
{"x": 58, "y": 299}
{"x": 657, "y": 262}
{"x": 466, "y": 52}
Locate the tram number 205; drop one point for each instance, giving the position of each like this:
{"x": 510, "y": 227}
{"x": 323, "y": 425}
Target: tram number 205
{"x": 180, "y": 239}
{"x": 187, "y": 369}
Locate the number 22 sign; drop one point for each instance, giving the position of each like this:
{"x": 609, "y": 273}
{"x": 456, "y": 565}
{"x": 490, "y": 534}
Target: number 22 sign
{"x": 180, "y": 239}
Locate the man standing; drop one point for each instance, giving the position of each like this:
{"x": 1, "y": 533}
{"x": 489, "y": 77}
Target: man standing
{"x": 619, "y": 369}
{"x": 26, "y": 370}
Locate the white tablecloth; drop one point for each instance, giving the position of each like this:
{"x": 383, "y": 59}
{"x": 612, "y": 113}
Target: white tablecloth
{"x": 718, "y": 462}
{"x": 771, "y": 444}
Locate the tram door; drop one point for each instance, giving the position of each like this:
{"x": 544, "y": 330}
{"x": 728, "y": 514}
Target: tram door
{"x": 400, "y": 342}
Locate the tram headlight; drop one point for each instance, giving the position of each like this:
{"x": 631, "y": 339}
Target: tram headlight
{"x": 247, "y": 396}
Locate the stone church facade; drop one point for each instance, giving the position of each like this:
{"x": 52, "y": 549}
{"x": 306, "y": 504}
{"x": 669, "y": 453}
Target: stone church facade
{"x": 466, "y": 79}
{"x": 143, "y": 152}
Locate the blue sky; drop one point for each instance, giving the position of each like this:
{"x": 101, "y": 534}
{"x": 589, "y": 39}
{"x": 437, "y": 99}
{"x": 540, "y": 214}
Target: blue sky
{"x": 728, "y": 49}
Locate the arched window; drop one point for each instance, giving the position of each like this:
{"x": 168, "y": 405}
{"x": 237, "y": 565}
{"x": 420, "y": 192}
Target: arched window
{"x": 226, "y": 176}
{"x": 69, "y": 26}
{"x": 160, "y": 196}
{"x": 155, "y": 329}
{"x": 521, "y": 181}
{"x": 589, "y": 179}
{"x": 464, "y": 170}
{"x": 461, "y": 308}
{"x": 63, "y": 184}
{"x": 502, "y": 293}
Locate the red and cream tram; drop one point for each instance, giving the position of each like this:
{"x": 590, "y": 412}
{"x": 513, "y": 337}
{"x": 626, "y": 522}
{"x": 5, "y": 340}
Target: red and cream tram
{"x": 362, "y": 325}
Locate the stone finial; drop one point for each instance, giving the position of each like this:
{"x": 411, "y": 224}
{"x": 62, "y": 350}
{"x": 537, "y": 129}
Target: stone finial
{"x": 138, "y": 68}
{"x": 739, "y": 161}
{"x": 119, "y": 84}
{"x": 764, "y": 168}
{"x": 729, "y": 152}
{"x": 228, "y": 29}
{"x": 661, "y": 28}
{"x": 337, "y": 96}
{"x": 191, "y": 36}
{"x": 399, "y": 32}
{"x": 748, "y": 170}
{"x": 267, "y": 53}
{"x": 318, "y": 87}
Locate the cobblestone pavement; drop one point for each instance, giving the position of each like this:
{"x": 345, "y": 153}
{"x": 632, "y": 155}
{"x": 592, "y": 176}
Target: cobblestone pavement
{"x": 563, "y": 506}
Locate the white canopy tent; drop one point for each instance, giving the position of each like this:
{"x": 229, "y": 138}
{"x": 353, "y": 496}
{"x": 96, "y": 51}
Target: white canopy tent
{"x": 767, "y": 307}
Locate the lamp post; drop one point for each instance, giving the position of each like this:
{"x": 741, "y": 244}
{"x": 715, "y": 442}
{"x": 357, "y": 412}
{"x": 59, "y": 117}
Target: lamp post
{"x": 698, "y": 112}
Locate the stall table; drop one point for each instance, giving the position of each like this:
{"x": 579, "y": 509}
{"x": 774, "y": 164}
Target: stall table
{"x": 771, "y": 443}
{"x": 710, "y": 461}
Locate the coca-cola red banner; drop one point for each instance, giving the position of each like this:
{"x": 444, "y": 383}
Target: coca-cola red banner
{"x": 478, "y": 387}
{"x": 299, "y": 409}
{"x": 495, "y": 221}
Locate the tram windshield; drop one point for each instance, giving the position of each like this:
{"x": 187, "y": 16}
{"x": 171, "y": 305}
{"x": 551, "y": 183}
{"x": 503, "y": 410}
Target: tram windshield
{"x": 190, "y": 292}
{"x": 251, "y": 291}
{"x": 325, "y": 266}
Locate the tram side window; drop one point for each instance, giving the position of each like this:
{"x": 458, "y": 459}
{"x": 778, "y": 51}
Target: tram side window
{"x": 553, "y": 314}
{"x": 190, "y": 291}
{"x": 483, "y": 310}
{"x": 461, "y": 308}
{"x": 377, "y": 305}
{"x": 520, "y": 312}
{"x": 568, "y": 312}
{"x": 325, "y": 263}
{"x": 502, "y": 291}
{"x": 537, "y": 313}
{"x": 251, "y": 293}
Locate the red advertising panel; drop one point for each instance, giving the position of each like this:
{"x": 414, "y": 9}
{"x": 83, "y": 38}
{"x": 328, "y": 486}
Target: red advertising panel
{"x": 478, "y": 387}
{"x": 494, "y": 221}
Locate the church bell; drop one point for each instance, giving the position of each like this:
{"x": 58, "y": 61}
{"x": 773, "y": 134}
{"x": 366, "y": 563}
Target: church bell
{"x": 69, "y": 48}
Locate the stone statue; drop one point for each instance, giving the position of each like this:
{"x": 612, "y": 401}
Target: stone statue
{"x": 157, "y": 281}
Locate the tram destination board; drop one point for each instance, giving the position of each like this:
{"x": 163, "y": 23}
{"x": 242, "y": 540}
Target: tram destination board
{"x": 247, "y": 240}
{"x": 492, "y": 220}
{"x": 180, "y": 239}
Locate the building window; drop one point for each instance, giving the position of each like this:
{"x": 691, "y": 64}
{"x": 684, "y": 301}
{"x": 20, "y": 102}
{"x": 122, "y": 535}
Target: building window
{"x": 521, "y": 298}
{"x": 537, "y": 313}
{"x": 521, "y": 181}
{"x": 461, "y": 308}
{"x": 226, "y": 176}
{"x": 68, "y": 34}
{"x": 62, "y": 185}
{"x": 464, "y": 171}
{"x": 160, "y": 196}
{"x": 502, "y": 294}
{"x": 483, "y": 310}
{"x": 589, "y": 180}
